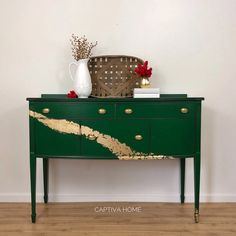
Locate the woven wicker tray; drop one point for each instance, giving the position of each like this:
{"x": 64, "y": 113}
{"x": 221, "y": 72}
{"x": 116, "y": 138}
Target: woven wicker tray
{"x": 113, "y": 76}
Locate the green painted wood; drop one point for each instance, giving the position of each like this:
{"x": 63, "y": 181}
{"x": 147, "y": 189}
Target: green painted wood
{"x": 172, "y": 136}
{"x": 63, "y": 98}
{"x": 161, "y": 95}
{"x": 170, "y": 131}
{"x": 197, "y": 162}
{"x": 90, "y": 148}
{"x": 182, "y": 180}
{"x": 155, "y": 110}
{"x": 94, "y": 157}
{"x": 45, "y": 179}
{"x": 74, "y": 110}
{"x": 124, "y": 131}
{"x": 31, "y": 135}
{"x": 197, "y": 167}
{"x": 33, "y": 187}
{"x": 50, "y": 142}
{"x": 164, "y": 128}
{"x": 32, "y": 169}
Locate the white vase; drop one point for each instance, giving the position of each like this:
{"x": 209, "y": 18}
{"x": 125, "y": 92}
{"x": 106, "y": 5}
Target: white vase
{"x": 81, "y": 79}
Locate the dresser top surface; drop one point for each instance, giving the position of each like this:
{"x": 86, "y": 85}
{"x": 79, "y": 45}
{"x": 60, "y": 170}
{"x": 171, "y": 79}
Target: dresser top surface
{"x": 64, "y": 98}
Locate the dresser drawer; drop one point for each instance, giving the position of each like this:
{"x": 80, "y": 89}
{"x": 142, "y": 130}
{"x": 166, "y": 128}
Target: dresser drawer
{"x": 74, "y": 110}
{"x": 114, "y": 138}
{"x": 154, "y": 110}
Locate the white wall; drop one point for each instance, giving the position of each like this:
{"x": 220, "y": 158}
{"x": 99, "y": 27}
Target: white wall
{"x": 191, "y": 45}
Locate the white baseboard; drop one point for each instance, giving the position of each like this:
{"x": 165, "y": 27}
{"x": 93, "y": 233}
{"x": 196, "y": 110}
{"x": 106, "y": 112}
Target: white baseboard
{"x": 19, "y": 197}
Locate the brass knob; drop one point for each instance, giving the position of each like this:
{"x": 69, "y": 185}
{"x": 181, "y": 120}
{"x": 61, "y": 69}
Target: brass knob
{"x": 102, "y": 111}
{"x": 138, "y": 137}
{"x": 184, "y": 110}
{"x": 46, "y": 110}
{"x": 91, "y": 137}
{"x": 128, "y": 111}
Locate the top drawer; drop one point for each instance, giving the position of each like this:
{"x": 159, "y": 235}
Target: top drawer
{"x": 155, "y": 110}
{"x": 74, "y": 110}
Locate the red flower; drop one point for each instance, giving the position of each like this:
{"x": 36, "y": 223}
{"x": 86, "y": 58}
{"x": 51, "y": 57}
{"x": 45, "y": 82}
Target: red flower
{"x": 143, "y": 71}
{"x": 72, "y": 94}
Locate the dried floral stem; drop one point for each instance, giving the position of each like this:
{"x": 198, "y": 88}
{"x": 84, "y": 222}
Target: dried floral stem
{"x": 81, "y": 48}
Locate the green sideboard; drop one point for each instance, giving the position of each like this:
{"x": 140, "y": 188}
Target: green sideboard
{"x": 115, "y": 128}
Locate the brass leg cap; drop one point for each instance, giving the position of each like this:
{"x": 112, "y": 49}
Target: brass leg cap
{"x": 196, "y": 215}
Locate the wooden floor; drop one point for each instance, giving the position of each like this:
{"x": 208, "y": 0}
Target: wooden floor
{"x": 72, "y": 219}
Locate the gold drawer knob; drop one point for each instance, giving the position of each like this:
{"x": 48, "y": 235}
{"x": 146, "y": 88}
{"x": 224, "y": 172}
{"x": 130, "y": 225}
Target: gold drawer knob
{"x": 102, "y": 111}
{"x": 46, "y": 110}
{"x": 128, "y": 111}
{"x": 138, "y": 137}
{"x": 184, "y": 110}
{"x": 91, "y": 137}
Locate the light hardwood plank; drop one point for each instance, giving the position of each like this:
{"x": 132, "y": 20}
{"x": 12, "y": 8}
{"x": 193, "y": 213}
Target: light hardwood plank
{"x": 72, "y": 219}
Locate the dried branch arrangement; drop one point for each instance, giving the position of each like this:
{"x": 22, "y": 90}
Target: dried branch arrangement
{"x": 81, "y": 48}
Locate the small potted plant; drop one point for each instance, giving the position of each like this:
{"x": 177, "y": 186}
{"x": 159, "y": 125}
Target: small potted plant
{"x": 144, "y": 73}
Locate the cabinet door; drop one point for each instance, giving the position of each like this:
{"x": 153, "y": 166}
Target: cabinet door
{"x": 117, "y": 136}
{"x": 53, "y": 143}
{"x": 173, "y": 136}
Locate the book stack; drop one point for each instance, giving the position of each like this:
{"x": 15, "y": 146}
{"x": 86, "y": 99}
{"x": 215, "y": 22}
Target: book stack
{"x": 146, "y": 93}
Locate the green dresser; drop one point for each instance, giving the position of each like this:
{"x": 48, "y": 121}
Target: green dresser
{"x": 121, "y": 129}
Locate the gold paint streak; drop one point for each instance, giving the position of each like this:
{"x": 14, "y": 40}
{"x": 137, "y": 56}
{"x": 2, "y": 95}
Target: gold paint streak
{"x": 107, "y": 141}
{"x": 62, "y": 126}
{"x": 37, "y": 115}
{"x": 145, "y": 157}
{"x": 121, "y": 150}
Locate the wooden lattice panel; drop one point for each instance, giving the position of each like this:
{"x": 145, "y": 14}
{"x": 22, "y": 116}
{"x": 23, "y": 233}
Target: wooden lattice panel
{"x": 113, "y": 76}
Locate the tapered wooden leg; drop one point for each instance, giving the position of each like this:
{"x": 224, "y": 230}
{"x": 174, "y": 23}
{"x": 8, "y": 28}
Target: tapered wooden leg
{"x": 197, "y": 163}
{"x": 45, "y": 179}
{"x": 182, "y": 179}
{"x": 33, "y": 186}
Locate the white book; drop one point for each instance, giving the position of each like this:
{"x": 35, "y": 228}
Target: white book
{"x": 146, "y": 95}
{"x": 146, "y": 90}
